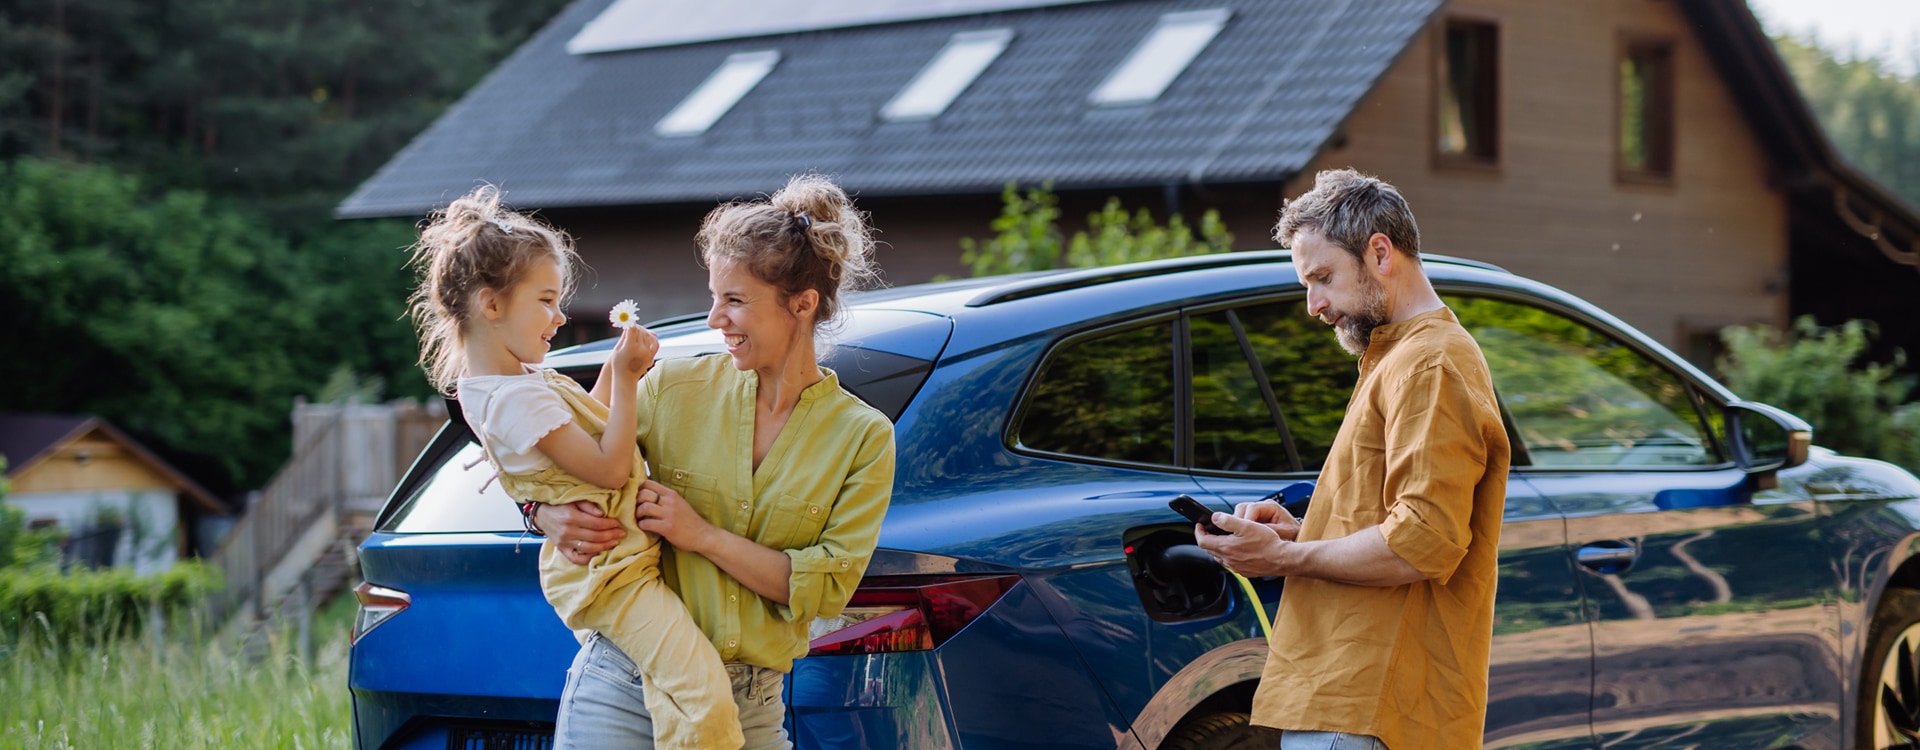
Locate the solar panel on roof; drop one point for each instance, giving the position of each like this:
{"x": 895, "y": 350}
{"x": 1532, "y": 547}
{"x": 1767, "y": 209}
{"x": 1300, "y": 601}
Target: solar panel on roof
{"x": 640, "y": 24}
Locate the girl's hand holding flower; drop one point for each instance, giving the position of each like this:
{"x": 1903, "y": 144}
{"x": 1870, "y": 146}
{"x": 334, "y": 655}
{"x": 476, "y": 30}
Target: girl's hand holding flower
{"x": 633, "y": 353}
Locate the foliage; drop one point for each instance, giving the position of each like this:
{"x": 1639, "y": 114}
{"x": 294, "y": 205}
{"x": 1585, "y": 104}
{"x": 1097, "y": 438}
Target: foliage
{"x": 286, "y": 105}
{"x": 97, "y": 606}
{"x": 1028, "y": 236}
{"x": 1871, "y": 113}
{"x": 21, "y": 547}
{"x": 1114, "y": 237}
{"x": 189, "y": 279}
{"x": 187, "y": 323}
{"x": 187, "y": 690}
{"x": 1815, "y": 373}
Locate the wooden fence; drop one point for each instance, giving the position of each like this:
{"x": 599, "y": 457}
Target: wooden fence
{"x": 346, "y": 460}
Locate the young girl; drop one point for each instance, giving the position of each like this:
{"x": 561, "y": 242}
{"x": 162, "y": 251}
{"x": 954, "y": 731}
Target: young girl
{"x": 493, "y": 282}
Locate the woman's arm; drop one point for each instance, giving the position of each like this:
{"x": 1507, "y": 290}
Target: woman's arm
{"x": 763, "y": 570}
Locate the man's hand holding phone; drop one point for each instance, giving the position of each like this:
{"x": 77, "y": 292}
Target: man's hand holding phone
{"x": 1250, "y": 542}
{"x": 1270, "y": 513}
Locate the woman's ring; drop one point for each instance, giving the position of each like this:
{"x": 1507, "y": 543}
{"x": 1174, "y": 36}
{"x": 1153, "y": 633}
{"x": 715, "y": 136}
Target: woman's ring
{"x": 576, "y": 545}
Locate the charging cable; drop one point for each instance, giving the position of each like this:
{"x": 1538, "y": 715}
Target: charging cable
{"x": 1259, "y": 609}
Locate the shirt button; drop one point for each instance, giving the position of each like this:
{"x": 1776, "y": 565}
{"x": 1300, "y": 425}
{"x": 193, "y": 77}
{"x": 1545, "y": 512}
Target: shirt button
{"x": 813, "y": 511}
{"x": 844, "y": 564}
{"x": 743, "y": 506}
{"x": 679, "y": 475}
{"x": 733, "y": 597}
{"x": 732, "y": 643}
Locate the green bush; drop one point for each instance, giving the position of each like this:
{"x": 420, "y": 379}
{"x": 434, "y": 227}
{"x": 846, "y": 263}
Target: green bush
{"x": 95, "y": 606}
{"x": 1857, "y": 408}
{"x": 1028, "y": 237}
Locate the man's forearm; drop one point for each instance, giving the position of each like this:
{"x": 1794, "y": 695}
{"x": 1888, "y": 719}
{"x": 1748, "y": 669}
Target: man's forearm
{"x": 1361, "y": 559}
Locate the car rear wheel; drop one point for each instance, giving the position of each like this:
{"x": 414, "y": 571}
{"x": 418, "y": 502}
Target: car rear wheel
{"x": 1229, "y": 730}
{"x": 1890, "y": 700}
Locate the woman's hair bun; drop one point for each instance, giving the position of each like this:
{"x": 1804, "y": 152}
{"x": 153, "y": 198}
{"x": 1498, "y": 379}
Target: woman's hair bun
{"x": 807, "y": 235}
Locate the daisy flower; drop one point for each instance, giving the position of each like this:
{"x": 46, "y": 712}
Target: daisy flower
{"x": 624, "y": 315}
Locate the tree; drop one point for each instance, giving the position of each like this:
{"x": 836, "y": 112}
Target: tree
{"x": 167, "y": 172}
{"x": 189, "y": 324}
{"x": 284, "y": 105}
{"x": 1029, "y": 237}
{"x": 1815, "y": 373}
{"x": 1871, "y": 113}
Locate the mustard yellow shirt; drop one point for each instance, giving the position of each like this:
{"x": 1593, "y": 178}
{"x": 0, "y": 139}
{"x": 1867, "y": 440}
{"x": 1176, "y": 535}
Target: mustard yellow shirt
{"x": 1422, "y": 453}
{"x": 819, "y": 495}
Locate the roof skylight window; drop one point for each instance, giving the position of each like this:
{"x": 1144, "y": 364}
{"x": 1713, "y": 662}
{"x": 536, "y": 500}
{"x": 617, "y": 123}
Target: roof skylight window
{"x": 1161, "y": 57}
{"x": 965, "y": 57}
{"x": 725, "y": 88}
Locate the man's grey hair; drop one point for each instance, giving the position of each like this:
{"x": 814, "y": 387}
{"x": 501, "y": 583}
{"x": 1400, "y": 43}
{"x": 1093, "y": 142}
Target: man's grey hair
{"x": 1346, "y": 208}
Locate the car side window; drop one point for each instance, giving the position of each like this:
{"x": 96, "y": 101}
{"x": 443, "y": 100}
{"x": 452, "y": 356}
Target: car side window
{"x": 1233, "y": 427}
{"x": 1312, "y": 377}
{"x": 1109, "y": 396}
{"x": 1580, "y": 397}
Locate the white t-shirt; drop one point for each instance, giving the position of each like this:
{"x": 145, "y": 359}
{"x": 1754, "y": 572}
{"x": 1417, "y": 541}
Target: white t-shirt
{"x": 511, "y": 413}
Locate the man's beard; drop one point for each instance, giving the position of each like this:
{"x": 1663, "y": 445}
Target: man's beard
{"x": 1355, "y": 330}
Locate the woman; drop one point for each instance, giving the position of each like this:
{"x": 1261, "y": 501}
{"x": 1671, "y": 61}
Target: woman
{"x": 768, "y": 480}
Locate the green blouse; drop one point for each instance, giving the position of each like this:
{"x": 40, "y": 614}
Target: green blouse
{"x": 819, "y": 495}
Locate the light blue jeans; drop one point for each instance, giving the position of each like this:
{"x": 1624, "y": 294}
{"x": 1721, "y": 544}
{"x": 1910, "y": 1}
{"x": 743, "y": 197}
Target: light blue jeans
{"x": 604, "y": 706}
{"x": 1328, "y": 741}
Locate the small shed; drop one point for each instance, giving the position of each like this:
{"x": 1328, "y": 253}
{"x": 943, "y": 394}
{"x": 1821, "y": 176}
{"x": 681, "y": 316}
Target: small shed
{"x": 118, "y": 502}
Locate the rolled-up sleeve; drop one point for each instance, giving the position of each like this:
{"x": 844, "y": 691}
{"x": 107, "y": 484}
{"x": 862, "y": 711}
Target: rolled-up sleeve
{"x": 825, "y": 574}
{"x": 1436, "y": 453}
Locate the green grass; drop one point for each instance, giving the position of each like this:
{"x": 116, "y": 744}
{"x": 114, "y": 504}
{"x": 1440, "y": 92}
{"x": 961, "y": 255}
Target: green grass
{"x": 177, "y": 692}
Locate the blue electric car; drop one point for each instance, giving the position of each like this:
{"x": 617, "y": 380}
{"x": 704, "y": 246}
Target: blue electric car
{"x": 1678, "y": 567}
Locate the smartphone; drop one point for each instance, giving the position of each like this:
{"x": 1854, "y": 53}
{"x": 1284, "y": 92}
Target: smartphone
{"x": 1195, "y": 512}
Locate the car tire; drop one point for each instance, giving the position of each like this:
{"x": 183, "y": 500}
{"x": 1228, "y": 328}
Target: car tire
{"x": 1894, "y": 638}
{"x": 1230, "y": 730}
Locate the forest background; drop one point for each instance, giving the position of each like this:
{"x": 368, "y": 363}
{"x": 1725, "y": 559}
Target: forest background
{"x": 168, "y": 256}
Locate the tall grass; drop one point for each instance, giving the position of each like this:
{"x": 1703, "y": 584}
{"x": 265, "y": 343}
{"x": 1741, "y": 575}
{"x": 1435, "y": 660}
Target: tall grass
{"x": 176, "y": 691}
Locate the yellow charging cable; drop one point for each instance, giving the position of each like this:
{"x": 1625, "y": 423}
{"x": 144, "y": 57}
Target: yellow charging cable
{"x": 1266, "y": 628}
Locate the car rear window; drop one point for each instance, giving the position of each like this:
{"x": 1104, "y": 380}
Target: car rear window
{"x": 460, "y": 495}
{"x": 453, "y": 489}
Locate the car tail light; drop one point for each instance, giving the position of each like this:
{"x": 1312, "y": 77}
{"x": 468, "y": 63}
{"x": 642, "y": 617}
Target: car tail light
{"x": 377, "y": 605}
{"x": 906, "y": 613}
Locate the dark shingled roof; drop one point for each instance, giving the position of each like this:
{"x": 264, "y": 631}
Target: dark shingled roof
{"x": 24, "y": 437}
{"x": 560, "y": 130}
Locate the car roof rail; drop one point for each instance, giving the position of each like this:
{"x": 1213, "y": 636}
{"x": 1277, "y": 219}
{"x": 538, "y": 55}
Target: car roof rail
{"x": 1076, "y": 279}
{"x": 1108, "y": 274}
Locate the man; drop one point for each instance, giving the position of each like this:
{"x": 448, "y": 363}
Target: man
{"x": 1388, "y": 613}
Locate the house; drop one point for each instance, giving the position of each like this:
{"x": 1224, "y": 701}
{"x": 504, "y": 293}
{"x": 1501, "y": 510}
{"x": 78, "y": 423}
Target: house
{"x": 1652, "y": 156}
{"x": 118, "y": 503}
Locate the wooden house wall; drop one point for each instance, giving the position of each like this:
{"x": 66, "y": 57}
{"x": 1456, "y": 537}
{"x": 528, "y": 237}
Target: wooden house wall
{"x": 1706, "y": 250}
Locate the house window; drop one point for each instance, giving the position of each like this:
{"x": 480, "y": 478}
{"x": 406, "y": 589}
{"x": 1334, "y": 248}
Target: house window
{"x": 1469, "y": 93}
{"x": 1646, "y": 110}
{"x": 965, "y": 57}
{"x": 725, "y": 88}
{"x": 1160, "y": 58}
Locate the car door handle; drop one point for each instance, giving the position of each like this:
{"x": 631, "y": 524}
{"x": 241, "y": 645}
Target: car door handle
{"x": 1601, "y": 557}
